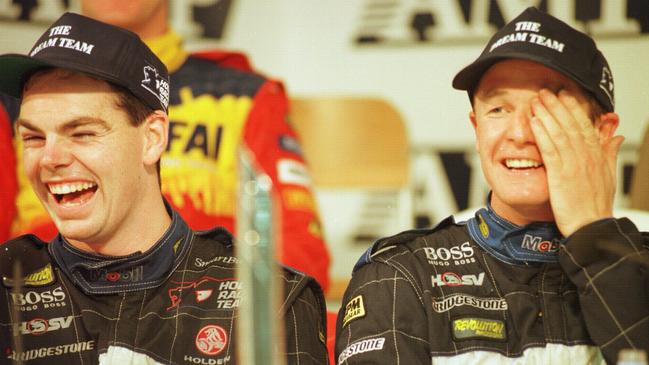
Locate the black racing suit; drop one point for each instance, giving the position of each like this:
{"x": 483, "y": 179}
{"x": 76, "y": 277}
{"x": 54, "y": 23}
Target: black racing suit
{"x": 174, "y": 304}
{"x": 461, "y": 294}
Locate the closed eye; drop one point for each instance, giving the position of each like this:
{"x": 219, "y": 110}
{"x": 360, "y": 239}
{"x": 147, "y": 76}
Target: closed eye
{"x": 83, "y": 134}
{"x": 499, "y": 110}
{"x": 30, "y": 139}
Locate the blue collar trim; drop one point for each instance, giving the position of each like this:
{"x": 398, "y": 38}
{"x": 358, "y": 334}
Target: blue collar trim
{"x": 101, "y": 274}
{"x": 534, "y": 242}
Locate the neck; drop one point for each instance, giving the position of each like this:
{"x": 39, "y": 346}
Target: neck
{"x": 522, "y": 214}
{"x": 138, "y": 232}
{"x": 155, "y": 26}
{"x": 515, "y": 244}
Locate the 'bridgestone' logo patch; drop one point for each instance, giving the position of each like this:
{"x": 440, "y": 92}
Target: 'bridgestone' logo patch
{"x": 360, "y": 347}
{"x": 473, "y": 328}
{"x": 354, "y": 309}
{"x": 457, "y": 300}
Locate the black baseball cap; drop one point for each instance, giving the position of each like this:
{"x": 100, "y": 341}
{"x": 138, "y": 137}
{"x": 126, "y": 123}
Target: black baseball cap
{"x": 537, "y": 36}
{"x": 78, "y": 43}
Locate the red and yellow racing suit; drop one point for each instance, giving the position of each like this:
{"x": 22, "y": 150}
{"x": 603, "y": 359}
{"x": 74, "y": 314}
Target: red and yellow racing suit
{"x": 8, "y": 184}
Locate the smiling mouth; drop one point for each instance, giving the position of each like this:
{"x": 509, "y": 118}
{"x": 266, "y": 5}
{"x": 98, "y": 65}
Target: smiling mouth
{"x": 522, "y": 164}
{"x": 72, "y": 194}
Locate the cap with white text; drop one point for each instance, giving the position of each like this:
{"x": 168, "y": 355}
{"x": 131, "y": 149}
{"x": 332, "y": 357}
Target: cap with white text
{"x": 539, "y": 37}
{"x": 78, "y": 43}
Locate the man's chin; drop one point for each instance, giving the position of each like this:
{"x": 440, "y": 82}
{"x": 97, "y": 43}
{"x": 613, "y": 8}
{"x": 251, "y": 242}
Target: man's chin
{"x": 530, "y": 206}
{"x": 75, "y": 231}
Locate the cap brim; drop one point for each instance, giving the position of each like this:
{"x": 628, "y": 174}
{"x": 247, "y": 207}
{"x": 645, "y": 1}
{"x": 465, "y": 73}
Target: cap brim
{"x": 14, "y": 69}
{"x": 468, "y": 78}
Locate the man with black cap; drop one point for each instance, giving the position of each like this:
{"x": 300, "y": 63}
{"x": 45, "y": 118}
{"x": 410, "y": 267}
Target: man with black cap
{"x": 125, "y": 281}
{"x": 544, "y": 274}
{"x": 217, "y": 103}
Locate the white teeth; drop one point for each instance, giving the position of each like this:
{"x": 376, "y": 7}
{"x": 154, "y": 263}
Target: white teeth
{"x": 521, "y": 163}
{"x": 69, "y": 187}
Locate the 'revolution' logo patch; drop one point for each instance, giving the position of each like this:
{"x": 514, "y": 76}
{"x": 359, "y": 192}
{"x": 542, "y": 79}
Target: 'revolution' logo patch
{"x": 472, "y": 328}
{"x": 211, "y": 340}
{"x": 354, "y": 310}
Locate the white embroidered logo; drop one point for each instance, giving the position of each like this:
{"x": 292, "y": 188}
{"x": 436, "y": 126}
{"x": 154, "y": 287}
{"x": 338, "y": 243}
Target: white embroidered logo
{"x": 606, "y": 84}
{"x": 62, "y": 42}
{"x": 156, "y": 85}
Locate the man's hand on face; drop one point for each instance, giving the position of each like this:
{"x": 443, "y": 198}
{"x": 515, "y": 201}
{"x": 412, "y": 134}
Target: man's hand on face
{"x": 580, "y": 160}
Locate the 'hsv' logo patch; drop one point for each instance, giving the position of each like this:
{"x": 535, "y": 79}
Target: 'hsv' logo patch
{"x": 453, "y": 279}
{"x": 473, "y": 328}
{"x": 354, "y": 310}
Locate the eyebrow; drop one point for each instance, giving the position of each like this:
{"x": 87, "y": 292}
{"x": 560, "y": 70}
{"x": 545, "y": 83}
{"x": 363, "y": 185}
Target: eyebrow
{"x": 493, "y": 93}
{"x": 70, "y": 125}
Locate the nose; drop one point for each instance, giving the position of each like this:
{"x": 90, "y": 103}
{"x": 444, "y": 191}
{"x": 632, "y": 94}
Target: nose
{"x": 56, "y": 154}
{"x": 520, "y": 130}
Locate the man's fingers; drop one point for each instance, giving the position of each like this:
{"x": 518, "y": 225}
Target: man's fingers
{"x": 572, "y": 117}
{"x": 560, "y": 112}
{"x": 549, "y": 151}
{"x": 553, "y": 131}
{"x": 581, "y": 118}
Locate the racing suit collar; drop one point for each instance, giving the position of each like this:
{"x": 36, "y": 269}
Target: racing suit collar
{"x": 101, "y": 274}
{"x": 169, "y": 48}
{"x": 532, "y": 243}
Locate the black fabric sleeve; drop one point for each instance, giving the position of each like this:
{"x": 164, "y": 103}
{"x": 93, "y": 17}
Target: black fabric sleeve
{"x": 608, "y": 261}
{"x": 305, "y": 328}
{"x": 382, "y": 319}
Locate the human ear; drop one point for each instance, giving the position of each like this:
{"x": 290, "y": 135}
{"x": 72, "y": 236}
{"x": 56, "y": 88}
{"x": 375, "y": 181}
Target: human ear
{"x": 155, "y": 133}
{"x": 606, "y": 125}
{"x": 474, "y": 123}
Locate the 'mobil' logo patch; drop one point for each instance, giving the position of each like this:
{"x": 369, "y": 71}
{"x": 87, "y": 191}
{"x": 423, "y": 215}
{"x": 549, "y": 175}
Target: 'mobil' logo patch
{"x": 354, "y": 310}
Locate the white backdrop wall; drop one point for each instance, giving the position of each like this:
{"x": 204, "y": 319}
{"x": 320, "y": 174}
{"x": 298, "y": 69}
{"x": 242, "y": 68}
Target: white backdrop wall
{"x": 310, "y": 45}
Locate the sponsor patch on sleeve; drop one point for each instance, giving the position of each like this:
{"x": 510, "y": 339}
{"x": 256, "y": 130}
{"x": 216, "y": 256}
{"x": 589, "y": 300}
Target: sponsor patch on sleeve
{"x": 471, "y": 328}
{"x": 322, "y": 336}
{"x": 354, "y": 310}
{"x": 293, "y": 172}
{"x": 41, "y": 277}
{"x": 298, "y": 199}
{"x": 359, "y": 347}
{"x": 290, "y": 144}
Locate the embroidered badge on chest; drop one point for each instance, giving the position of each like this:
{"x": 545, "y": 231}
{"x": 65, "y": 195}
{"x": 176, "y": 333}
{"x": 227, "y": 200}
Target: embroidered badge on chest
{"x": 354, "y": 310}
{"x": 41, "y": 277}
{"x": 471, "y": 328}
